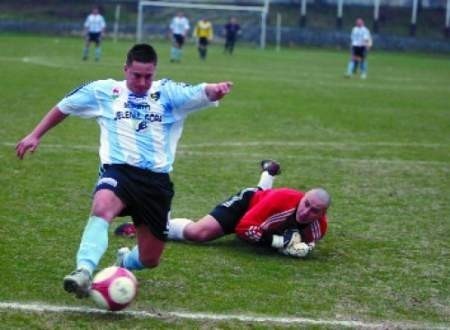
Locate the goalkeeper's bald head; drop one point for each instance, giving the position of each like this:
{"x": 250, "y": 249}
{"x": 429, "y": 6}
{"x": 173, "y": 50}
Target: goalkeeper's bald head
{"x": 313, "y": 205}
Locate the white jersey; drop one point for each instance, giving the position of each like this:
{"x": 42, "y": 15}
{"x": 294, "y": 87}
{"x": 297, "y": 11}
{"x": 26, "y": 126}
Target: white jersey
{"x": 179, "y": 25}
{"x": 141, "y": 131}
{"x": 95, "y": 23}
{"x": 361, "y": 36}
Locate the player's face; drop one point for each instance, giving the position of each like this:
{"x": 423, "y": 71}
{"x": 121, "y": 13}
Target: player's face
{"x": 310, "y": 208}
{"x": 139, "y": 76}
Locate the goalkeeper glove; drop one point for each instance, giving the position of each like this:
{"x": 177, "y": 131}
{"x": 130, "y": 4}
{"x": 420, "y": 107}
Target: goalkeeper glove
{"x": 289, "y": 237}
{"x": 291, "y": 244}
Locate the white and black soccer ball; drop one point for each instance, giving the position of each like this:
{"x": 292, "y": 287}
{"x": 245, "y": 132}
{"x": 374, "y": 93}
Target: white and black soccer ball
{"x": 114, "y": 288}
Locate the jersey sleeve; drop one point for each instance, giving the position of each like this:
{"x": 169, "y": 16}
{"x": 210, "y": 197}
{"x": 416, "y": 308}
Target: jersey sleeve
{"x": 314, "y": 231}
{"x": 81, "y": 102}
{"x": 181, "y": 98}
{"x": 259, "y": 221}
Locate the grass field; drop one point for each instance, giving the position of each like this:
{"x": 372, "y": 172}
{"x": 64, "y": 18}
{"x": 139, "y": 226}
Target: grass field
{"x": 380, "y": 146}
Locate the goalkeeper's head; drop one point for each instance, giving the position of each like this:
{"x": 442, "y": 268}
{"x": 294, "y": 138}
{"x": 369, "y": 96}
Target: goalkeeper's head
{"x": 313, "y": 205}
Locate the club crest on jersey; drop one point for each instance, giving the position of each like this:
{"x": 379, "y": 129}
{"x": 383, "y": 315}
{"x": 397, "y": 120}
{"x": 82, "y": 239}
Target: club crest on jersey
{"x": 115, "y": 93}
{"x": 155, "y": 96}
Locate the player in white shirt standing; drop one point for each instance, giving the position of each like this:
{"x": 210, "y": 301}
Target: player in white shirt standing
{"x": 361, "y": 41}
{"x": 179, "y": 28}
{"x": 94, "y": 27}
{"x": 141, "y": 121}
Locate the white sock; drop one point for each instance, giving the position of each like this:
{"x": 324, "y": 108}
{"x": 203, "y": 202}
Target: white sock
{"x": 265, "y": 181}
{"x": 176, "y": 228}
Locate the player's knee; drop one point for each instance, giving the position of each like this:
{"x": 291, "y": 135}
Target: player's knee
{"x": 103, "y": 213}
{"x": 197, "y": 234}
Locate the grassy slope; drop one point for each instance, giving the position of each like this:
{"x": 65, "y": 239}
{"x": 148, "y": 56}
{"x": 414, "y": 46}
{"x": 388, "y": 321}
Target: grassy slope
{"x": 380, "y": 146}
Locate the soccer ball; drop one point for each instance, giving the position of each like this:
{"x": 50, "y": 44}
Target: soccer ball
{"x": 114, "y": 288}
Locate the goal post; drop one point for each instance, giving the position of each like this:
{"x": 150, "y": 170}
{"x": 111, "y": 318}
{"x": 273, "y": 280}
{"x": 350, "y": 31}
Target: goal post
{"x": 263, "y": 9}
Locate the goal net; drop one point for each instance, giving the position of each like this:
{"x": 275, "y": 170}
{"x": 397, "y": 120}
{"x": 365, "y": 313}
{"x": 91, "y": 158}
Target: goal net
{"x": 154, "y": 17}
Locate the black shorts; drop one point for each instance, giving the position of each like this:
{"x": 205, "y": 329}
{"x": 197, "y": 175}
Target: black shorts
{"x": 359, "y": 51}
{"x": 146, "y": 194}
{"x": 203, "y": 41}
{"x": 179, "y": 39}
{"x": 94, "y": 37}
{"x": 229, "y": 212}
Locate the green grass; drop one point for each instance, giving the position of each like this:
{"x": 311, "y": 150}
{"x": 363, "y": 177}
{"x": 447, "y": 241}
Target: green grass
{"x": 380, "y": 146}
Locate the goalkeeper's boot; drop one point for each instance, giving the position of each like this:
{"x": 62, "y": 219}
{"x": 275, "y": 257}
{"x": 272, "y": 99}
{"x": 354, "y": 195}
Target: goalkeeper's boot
{"x": 121, "y": 253}
{"x": 78, "y": 282}
{"x": 271, "y": 166}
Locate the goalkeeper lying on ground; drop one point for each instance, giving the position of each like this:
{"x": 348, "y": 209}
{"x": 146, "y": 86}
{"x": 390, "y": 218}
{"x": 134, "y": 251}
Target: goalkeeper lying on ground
{"x": 288, "y": 220}
{"x": 285, "y": 219}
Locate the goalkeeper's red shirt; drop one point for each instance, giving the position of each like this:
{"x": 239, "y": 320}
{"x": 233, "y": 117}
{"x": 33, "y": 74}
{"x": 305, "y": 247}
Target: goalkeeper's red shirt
{"x": 272, "y": 211}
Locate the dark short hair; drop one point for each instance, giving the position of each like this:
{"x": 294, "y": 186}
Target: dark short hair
{"x": 143, "y": 53}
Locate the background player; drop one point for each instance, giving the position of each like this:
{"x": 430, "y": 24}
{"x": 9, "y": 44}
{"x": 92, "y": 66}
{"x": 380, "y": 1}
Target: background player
{"x": 231, "y": 30}
{"x": 140, "y": 123}
{"x": 204, "y": 33}
{"x": 361, "y": 42}
{"x": 179, "y": 28}
{"x": 279, "y": 218}
{"x": 94, "y": 28}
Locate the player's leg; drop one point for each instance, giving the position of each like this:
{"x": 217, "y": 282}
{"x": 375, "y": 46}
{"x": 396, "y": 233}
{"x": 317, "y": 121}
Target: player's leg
{"x": 356, "y": 62}
{"x": 87, "y": 44}
{"x": 220, "y": 221}
{"x": 173, "y": 49}
{"x": 150, "y": 200}
{"x": 350, "y": 67}
{"x": 352, "y": 64}
{"x": 94, "y": 241}
{"x": 205, "y": 48}
{"x": 180, "y": 48}
{"x": 363, "y": 66}
{"x": 269, "y": 169}
{"x": 232, "y": 43}
{"x": 98, "y": 49}
{"x": 205, "y": 229}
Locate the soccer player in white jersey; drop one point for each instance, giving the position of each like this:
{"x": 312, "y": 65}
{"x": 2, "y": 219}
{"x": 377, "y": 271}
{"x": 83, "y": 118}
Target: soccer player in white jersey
{"x": 361, "y": 41}
{"x": 94, "y": 27}
{"x": 179, "y": 28}
{"x": 140, "y": 121}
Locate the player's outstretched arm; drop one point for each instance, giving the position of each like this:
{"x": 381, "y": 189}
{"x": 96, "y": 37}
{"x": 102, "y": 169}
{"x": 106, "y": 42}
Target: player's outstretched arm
{"x": 32, "y": 140}
{"x": 217, "y": 91}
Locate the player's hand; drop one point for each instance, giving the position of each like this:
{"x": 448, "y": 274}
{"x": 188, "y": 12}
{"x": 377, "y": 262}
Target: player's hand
{"x": 219, "y": 90}
{"x": 291, "y": 244}
{"x": 290, "y": 236}
{"x": 28, "y": 143}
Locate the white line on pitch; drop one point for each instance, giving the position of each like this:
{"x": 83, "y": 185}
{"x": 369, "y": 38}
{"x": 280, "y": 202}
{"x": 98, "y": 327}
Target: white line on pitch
{"x": 184, "y": 150}
{"x": 39, "y": 308}
{"x": 339, "y": 145}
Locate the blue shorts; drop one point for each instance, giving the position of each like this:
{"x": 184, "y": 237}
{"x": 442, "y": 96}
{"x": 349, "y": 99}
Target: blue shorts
{"x": 229, "y": 212}
{"x": 146, "y": 194}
